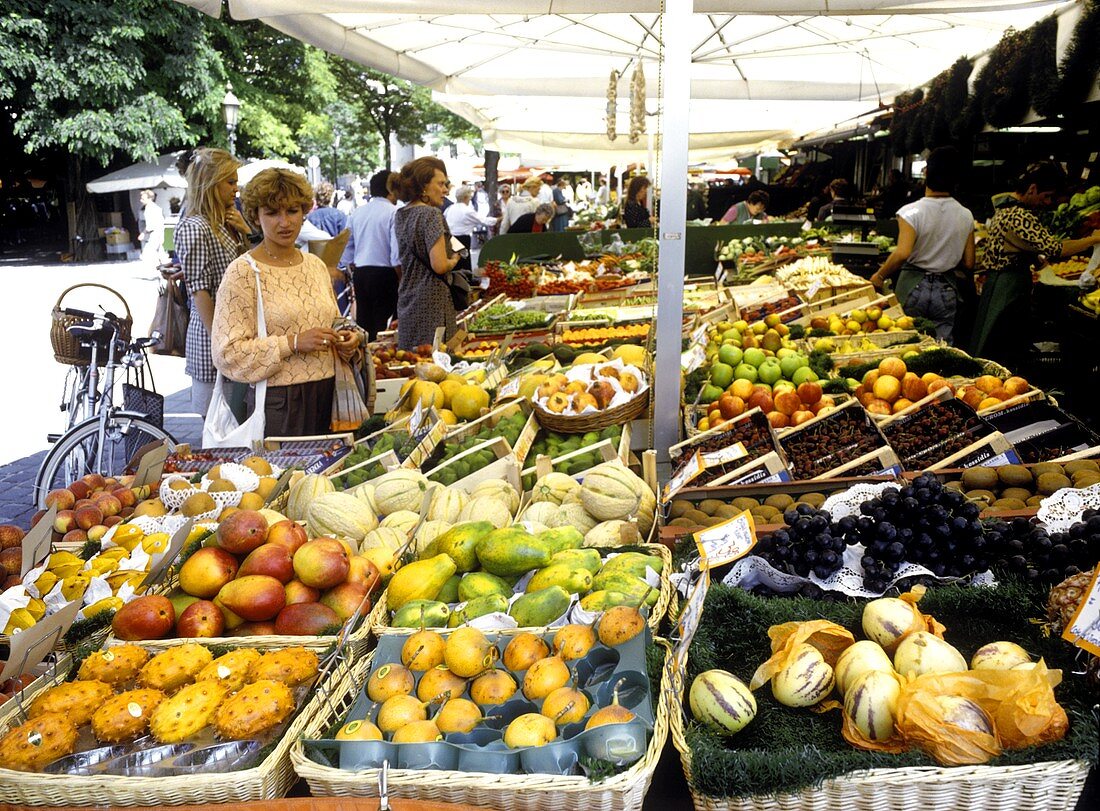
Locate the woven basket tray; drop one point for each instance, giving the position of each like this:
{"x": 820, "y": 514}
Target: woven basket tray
{"x": 66, "y": 347}
{"x": 272, "y": 778}
{"x": 594, "y": 420}
{"x": 1051, "y": 785}
{"x": 380, "y": 616}
{"x": 510, "y": 792}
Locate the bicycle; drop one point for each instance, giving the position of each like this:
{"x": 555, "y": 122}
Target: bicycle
{"x": 100, "y": 437}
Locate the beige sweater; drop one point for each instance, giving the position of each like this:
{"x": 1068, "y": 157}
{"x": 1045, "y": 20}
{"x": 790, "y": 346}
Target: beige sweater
{"x": 295, "y": 299}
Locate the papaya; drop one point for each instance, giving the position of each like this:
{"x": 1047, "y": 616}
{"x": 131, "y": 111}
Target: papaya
{"x": 559, "y": 539}
{"x": 479, "y": 607}
{"x": 511, "y": 551}
{"x": 460, "y": 543}
{"x": 574, "y": 580}
{"x": 482, "y": 584}
{"x": 539, "y": 608}
{"x": 429, "y": 613}
{"x": 579, "y": 558}
{"x": 627, "y": 584}
{"x": 449, "y": 592}
{"x": 419, "y": 580}
{"x": 603, "y": 600}
{"x": 633, "y": 563}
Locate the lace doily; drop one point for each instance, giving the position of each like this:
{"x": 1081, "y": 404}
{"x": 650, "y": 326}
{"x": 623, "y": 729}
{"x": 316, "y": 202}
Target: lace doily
{"x": 847, "y": 502}
{"x": 1063, "y": 509}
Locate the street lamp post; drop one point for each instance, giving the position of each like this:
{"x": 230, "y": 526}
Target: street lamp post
{"x": 335, "y": 168}
{"x": 231, "y": 107}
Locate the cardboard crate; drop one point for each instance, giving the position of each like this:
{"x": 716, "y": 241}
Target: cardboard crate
{"x": 605, "y": 448}
{"x": 870, "y": 439}
{"x": 989, "y": 451}
{"x": 934, "y": 456}
{"x": 734, "y": 451}
{"x": 505, "y": 467}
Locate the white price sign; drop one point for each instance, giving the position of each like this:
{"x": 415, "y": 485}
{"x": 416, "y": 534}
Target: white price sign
{"x": 416, "y": 417}
{"x": 693, "y": 358}
{"x": 812, "y": 291}
{"x": 698, "y": 334}
{"x": 692, "y": 468}
{"x": 726, "y": 542}
{"x": 690, "y": 618}
{"x": 730, "y": 453}
{"x": 509, "y": 389}
{"x": 1084, "y": 629}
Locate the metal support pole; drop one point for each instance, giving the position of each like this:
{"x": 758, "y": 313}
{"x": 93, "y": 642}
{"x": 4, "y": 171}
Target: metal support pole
{"x": 676, "y": 95}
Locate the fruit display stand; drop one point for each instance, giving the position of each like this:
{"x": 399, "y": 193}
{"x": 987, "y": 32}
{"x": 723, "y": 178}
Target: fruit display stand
{"x": 504, "y": 467}
{"x": 837, "y": 443}
{"x": 780, "y": 763}
{"x": 605, "y": 449}
{"x": 742, "y": 449}
{"x": 942, "y": 431}
{"x": 268, "y": 779}
{"x": 1041, "y": 431}
{"x": 624, "y": 791}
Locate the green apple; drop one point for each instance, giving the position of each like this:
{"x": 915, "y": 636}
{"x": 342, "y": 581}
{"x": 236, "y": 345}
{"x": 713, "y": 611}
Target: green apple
{"x": 755, "y": 356}
{"x": 804, "y": 374}
{"x": 721, "y": 375}
{"x": 730, "y": 354}
{"x": 769, "y": 371}
{"x": 789, "y": 365}
{"x": 710, "y": 393}
{"x": 745, "y": 371}
{"x": 785, "y": 352}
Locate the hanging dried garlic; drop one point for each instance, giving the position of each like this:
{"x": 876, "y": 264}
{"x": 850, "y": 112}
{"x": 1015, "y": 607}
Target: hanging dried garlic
{"x": 637, "y": 103}
{"x": 612, "y": 91}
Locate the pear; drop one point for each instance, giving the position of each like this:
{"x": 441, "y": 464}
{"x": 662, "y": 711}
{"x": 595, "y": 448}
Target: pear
{"x": 440, "y": 683}
{"x": 458, "y": 715}
{"x": 619, "y": 625}
{"x": 566, "y": 705}
{"x": 360, "y": 730}
{"x": 388, "y": 681}
{"x": 418, "y": 732}
{"x": 530, "y": 729}
{"x": 615, "y": 713}
{"x": 468, "y": 652}
{"x": 544, "y": 677}
{"x": 523, "y": 651}
{"x": 492, "y": 687}
{"x": 423, "y": 650}
{"x": 397, "y": 711}
{"x": 574, "y": 641}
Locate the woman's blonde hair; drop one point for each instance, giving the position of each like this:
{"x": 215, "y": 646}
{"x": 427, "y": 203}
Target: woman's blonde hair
{"x": 275, "y": 188}
{"x": 208, "y": 168}
{"x": 532, "y": 185}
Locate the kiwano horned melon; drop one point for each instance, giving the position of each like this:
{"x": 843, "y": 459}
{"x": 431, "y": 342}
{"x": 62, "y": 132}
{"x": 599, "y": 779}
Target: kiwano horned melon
{"x": 254, "y": 710}
{"x": 175, "y": 667}
{"x": 33, "y": 745}
{"x": 115, "y": 666}
{"x": 232, "y": 669}
{"x": 76, "y": 700}
{"x": 126, "y": 716}
{"x": 292, "y": 666}
{"x": 183, "y": 715}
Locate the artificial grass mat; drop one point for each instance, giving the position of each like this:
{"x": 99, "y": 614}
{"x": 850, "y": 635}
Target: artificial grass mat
{"x": 785, "y": 750}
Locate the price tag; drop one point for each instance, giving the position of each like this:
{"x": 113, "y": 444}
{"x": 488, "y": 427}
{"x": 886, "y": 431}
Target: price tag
{"x": 723, "y": 455}
{"x": 442, "y": 360}
{"x": 812, "y": 291}
{"x": 719, "y": 274}
{"x": 437, "y": 341}
{"x": 689, "y": 619}
{"x": 36, "y": 543}
{"x": 693, "y": 358}
{"x": 28, "y": 648}
{"x": 485, "y": 282}
{"x": 416, "y": 417}
{"x": 509, "y": 389}
{"x": 699, "y": 334}
{"x": 1084, "y": 629}
{"x": 726, "y": 542}
{"x": 691, "y": 469}
{"x": 281, "y": 485}
{"x": 151, "y": 466}
{"x": 158, "y": 566}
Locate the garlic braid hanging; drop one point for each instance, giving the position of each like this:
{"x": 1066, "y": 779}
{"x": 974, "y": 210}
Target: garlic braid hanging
{"x": 637, "y": 103}
{"x": 612, "y": 92}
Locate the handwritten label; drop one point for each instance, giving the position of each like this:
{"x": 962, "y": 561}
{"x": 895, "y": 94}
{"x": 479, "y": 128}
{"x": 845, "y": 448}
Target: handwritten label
{"x": 691, "y": 469}
{"x": 726, "y": 542}
{"x": 690, "y": 618}
{"x": 509, "y": 389}
{"x": 416, "y": 417}
{"x": 699, "y": 334}
{"x": 158, "y": 567}
{"x": 36, "y": 543}
{"x": 1084, "y": 629}
{"x": 151, "y": 466}
{"x": 727, "y": 454}
{"x": 812, "y": 291}
{"x": 693, "y": 358}
{"x": 28, "y": 648}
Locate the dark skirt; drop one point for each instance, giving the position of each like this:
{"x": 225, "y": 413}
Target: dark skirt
{"x": 303, "y": 409}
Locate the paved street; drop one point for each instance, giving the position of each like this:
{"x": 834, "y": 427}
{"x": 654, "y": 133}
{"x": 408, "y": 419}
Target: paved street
{"x": 34, "y": 381}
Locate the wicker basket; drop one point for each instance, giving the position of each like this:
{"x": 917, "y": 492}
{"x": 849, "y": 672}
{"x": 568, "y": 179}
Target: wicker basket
{"x": 1051, "y": 785}
{"x": 506, "y": 792}
{"x": 66, "y": 347}
{"x": 594, "y": 420}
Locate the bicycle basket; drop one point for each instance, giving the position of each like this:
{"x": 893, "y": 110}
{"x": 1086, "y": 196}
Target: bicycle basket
{"x": 66, "y": 347}
{"x": 148, "y": 403}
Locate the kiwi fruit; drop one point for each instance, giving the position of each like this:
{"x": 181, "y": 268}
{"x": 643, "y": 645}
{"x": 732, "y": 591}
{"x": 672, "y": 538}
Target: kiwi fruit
{"x": 1079, "y": 465}
{"x": 698, "y": 516}
{"x": 1040, "y": 468}
{"x": 678, "y": 507}
{"x": 780, "y": 501}
{"x": 1014, "y": 475}
{"x": 981, "y": 495}
{"x": 714, "y": 519}
{"x": 813, "y": 499}
{"x": 759, "y": 517}
{"x": 1086, "y": 479}
{"x": 955, "y": 485}
{"x": 727, "y": 511}
{"x": 1047, "y": 483}
{"x": 1009, "y": 504}
{"x": 682, "y": 522}
{"x": 710, "y": 506}
{"x": 745, "y": 503}
{"x": 1019, "y": 493}
{"x": 979, "y": 478}
{"x": 770, "y": 513}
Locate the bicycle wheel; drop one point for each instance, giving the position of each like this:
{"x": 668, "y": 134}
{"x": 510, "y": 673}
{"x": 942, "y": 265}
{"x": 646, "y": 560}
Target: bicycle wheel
{"x": 75, "y": 455}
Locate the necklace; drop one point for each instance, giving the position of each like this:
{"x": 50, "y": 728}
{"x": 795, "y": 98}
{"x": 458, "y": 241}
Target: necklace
{"x": 273, "y": 256}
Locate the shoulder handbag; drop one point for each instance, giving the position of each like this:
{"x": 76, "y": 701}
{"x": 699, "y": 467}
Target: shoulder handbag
{"x": 458, "y": 283}
{"x": 170, "y": 319}
{"x": 222, "y": 429}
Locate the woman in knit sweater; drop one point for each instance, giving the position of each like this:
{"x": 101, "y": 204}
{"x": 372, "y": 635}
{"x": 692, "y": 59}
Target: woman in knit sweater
{"x": 297, "y": 356}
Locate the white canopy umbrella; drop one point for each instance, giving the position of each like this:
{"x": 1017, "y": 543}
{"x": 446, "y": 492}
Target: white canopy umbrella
{"x": 253, "y": 168}
{"x": 145, "y": 175}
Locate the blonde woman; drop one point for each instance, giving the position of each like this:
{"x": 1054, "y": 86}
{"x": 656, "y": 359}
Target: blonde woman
{"x": 211, "y": 236}
{"x": 296, "y": 358}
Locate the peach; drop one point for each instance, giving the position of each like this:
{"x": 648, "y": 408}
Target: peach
{"x": 895, "y": 367}
{"x": 97, "y": 532}
{"x": 988, "y": 402}
{"x": 38, "y": 516}
{"x": 107, "y": 503}
{"x": 111, "y": 520}
{"x": 788, "y": 402}
{"x": 1016, "y": 385}
{"x": 94, "y": 481}
{"x": 11, "y": 561}
{"x": 88, "y": 517}
{"x": 10, "y": 535}
{"x": 778, "y": 419}
{"x": 929, "y": 377}
{"x": 799, "y": 417}
{"x": 999, "y": 393}
{"x": 80, "y": 490}
{"x": 75, "y": 536}
{"x": 887, "y": 388}
{"x": 64, "y": 499}
{"x": 64, "y": 521}
{"x": 987, "y": 383}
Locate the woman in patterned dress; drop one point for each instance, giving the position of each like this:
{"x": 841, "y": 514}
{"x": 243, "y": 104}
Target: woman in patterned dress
{"x": 1016, "y": 241}
{"x": 211, "y": 236}
{"x": 424, "y": 296}
{"x": 300, "y": 312}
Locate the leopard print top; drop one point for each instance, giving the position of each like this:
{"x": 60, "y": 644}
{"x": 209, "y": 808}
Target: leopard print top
{"x": 1015, "y": 233}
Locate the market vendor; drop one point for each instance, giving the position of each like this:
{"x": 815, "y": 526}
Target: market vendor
{"x": 635, "y": 211}
{"x": 1017, "y": 241}
{"x": 749, "y": 209}
{"x": 935, "y": 239}
{"x": 534, "y": 222}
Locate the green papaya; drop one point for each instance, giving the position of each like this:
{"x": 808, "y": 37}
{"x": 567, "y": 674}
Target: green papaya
{"x": 488, "y": 604}
{"x": 539, "y": 608}
{"x": 482, "y": 584}
{"x": 460, "y": 543}
{"x": 579, "y": 558}
{"x": 634, "y": 587}
{"x": 632, "y": 563}
{"x": 430, "y": 613}
{"x": 559, "y": 539}
{"x": 603, "y": 600}
{"x": 574, "y": 580}
{"x": 511, "y": 551}
{"x": 449, "y": 592}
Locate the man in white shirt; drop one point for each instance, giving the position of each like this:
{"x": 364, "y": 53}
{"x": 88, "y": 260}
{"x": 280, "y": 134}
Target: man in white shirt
{"x": 463, "y": 219}
{"x": 152, "y": 234}
{"x": 546, "y": 191}
{"x": 347, "y": 205}
{"x": 372, "y": 255}
{"x": 603, "y": 194}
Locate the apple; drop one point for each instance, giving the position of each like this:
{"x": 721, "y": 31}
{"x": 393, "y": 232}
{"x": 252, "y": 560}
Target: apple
{"x": 761, "y": 399}
{"x": 799, "y": 417}
{"x": 809, "y": 392}
{"x": 787, "y": 402}
{"x": 778, "y": 419}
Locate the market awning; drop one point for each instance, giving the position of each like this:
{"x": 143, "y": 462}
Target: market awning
{"x": 144, "y": 175}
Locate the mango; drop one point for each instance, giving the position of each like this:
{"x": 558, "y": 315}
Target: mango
{"x": 460, "y": 543}
{"x": 579, "y": 558}
{"x": 488, "y": 604}
{"x": 559, "y": 539}
{"x": 482, "y": 584}
{"x": 511, "y": 551}
{"x": 539, "y": 608}
{"x": 573, "y": 580}
{"x": 429, "y": 613}
{"x": 419, "y": 580}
